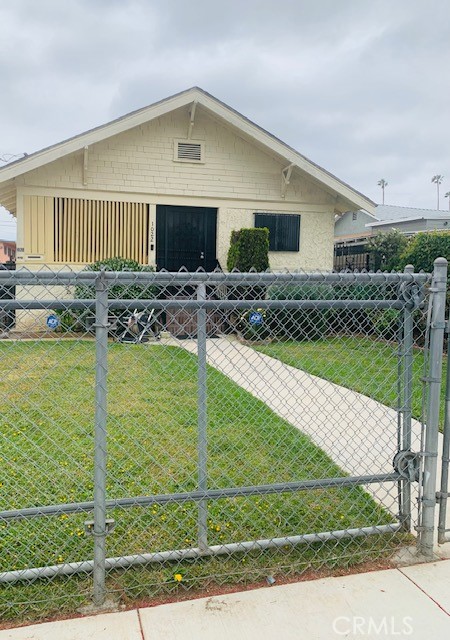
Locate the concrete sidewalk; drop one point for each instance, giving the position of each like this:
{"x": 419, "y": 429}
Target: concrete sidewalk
{"x": 412, "y": 602}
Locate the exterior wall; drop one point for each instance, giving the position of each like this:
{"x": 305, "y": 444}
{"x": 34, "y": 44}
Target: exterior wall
{"x": 346, "y": 227}
{"x": 415, "y": 226}
{"x": 34, "y": 320}
{"x": 7, "y": 251}
{"x": 316, "y": 232}
{"x": 316, "y": 238}
{"x": 432, "y": 225}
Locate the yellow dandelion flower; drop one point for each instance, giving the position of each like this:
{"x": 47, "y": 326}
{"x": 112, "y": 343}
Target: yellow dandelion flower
{"x": 178, "y": 577}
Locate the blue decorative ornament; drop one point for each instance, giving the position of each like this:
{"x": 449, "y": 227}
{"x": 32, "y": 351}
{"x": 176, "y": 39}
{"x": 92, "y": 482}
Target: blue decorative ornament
{"x": 255, "y": 318}
{"x": 52, "y": 322}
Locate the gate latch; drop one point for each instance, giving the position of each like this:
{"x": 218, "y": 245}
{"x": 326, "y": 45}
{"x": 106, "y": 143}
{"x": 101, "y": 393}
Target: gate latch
{"x": 407, "y": 464}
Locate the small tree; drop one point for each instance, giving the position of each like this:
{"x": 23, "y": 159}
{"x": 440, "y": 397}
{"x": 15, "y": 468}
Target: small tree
{"x": 386, "y": 248}
{"x": 249, "y": 250}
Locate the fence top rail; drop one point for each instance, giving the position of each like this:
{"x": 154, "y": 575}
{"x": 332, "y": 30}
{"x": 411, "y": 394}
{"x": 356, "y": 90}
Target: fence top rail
{"x": 174, "y": 303}
{"x": 26, "y": 277}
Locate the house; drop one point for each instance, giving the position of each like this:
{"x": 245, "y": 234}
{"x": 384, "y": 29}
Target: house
{"x": 7, "y": 251}
{"x": 354, "y": 228}
{"x": 166, "y": 185}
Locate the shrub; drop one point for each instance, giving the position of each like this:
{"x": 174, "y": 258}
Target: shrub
{"x": 118, "y": 291}
{"x": 300, "y": 324}
{"x": 386, "y": 323}
{"x": 254, "y": 331}
{"x": 386, "y": 248}
{"x": 424, "y": 248}
{"x": 79, "y": 320}
{"x": 69, "y": 320}
{"x": 249, "y": 250}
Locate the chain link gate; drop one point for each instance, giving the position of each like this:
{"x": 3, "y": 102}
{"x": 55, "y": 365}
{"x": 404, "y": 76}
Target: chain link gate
{"x": 171, "y": 431}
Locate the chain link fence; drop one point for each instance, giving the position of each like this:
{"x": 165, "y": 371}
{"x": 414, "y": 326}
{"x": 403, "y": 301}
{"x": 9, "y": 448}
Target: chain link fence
{"x": 172, "y": 432}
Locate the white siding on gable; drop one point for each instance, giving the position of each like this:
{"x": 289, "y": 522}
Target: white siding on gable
{"x": 142, "y": 160}
{"x": 236, "y": 176}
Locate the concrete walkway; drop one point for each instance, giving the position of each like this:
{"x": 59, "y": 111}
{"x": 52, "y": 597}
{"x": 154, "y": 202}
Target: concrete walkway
{"x": 357, "y": 432}
{"x": 413, "y": 602}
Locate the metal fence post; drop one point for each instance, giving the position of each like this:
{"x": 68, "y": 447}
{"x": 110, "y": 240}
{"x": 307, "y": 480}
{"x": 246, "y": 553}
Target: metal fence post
{"x": 101, "y": 370}
{"x": 430, "y": 453}
{"x": 443, "y": 496}
{"x": 408, "y": 340}
{"x": 202, "y": 420}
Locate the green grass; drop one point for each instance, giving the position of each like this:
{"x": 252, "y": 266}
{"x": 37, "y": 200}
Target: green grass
{"x": 359, "y": 363}
{"x": 47, "y": 395}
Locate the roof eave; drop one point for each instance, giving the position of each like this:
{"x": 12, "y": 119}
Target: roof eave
{"x": 401, "y": 220}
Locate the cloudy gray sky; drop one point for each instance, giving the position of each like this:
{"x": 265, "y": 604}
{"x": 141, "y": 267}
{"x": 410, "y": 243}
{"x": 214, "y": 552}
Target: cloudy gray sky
{"x": 359, "y": 86}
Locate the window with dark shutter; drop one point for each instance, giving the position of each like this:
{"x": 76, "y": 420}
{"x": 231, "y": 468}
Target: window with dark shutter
{"x": 284, "y": 230}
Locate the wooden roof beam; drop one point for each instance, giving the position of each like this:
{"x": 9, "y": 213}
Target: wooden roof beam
{"x": 191, "y": 118}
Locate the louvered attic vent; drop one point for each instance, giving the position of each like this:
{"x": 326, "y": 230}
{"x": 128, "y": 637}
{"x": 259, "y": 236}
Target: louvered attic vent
{"x": 188, "y": 151}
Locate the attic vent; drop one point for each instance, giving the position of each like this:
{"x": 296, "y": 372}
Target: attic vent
{"x": 188, "y": 151}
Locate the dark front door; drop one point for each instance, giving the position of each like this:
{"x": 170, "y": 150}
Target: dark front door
{"x": 186, "y": 237}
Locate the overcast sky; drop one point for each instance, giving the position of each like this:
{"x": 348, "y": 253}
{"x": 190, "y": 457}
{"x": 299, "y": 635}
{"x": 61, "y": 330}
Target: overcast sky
{"x": 361, "y": 87}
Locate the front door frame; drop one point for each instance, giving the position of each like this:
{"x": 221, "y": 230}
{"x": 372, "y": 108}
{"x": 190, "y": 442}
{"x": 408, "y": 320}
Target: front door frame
{"x": 202, "y": 236}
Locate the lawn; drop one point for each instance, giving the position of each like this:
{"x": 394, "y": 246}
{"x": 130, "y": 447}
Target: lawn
{"x": 46, "y": 438}
{"x": 359, "y": 363}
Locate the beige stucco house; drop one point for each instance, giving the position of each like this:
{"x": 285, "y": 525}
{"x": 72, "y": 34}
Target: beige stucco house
{"x": 166, "y": 185}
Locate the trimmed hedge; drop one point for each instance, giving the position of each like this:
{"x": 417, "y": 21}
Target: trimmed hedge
{"x": 249, "y": 250}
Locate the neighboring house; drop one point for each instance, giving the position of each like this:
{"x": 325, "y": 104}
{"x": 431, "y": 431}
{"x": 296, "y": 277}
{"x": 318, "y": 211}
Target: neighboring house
{"x": 7, "y": 251}
{"x": 354, "y": 228}
{"x": 166, "y": 185}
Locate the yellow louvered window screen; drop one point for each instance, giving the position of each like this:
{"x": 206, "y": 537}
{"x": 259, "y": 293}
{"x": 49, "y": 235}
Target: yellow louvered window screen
{"x": 91, "y": 230}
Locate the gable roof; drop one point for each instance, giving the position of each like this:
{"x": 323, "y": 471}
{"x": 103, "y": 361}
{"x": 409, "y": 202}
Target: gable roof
{"x": 347, "y": 197}
{"x": 390, "y": 214}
